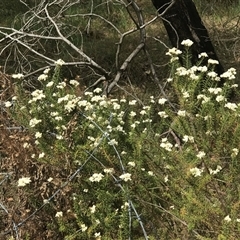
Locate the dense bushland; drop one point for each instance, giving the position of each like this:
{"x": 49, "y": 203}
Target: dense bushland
{"x": 157, "y": 158}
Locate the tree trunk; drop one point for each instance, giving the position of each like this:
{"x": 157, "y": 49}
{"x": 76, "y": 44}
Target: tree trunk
{"x": 182, "y": 21}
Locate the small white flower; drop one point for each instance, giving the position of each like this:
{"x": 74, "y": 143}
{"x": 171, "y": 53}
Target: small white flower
{"x": 53, "y": 114}
{"x": 42, "y": 77}
{"x": 169, "y": 80}
{"x": 186, "y": 95}
{"x": 88, "y": 94}
{"x": 203, "y": 54}
{"x": 132, "y": 164}
{"x": 33, "y": 122}
{"x": 96, "y": 177}
{"x": 194, "y": 76}
{"x": 173, "y": 51}
{"x": 188, "y": 138}
{"x": 125, "y": 205}
{"x": 150, "y": 173}
{"x": 166, "y": 178}
{"x": 97, "y": 221}
{"x": 26, "y": 145}
{"x": 161, "y": 101}
{"x": 132, "y": 114}
{"x": 50, "y": 179}
{"x": 230, "y": 74}
{"x": 8, "y": 104}
{"x": 59, "y": 62}
{"x": 202, "y": 68}
{"x": 82, "y": 103}
{"x": 215, "y": 90}
{"x": 97, "y": 98}
{"x": 116, "y": 106}
{"x": 181, "y": 113}
{"x": 59, "y": 214}
{"x": 74, "y": 82}
{"x": 108, "y": 170}
{"x": 162, "y": 114}
{"x": 97, "y": 235}
{"x": 205, "y": 99}
{"x": 113, "y": 142}
{"x": 50, "y": 84}
{"x": 187, "y": 43}
{"x": 213, "y": 172}
{"x": 132, "y": 102}
{"x": 37, "y": 95}
{"x": 167, "y": 146}
{"x": 92, "y": 209}
{"x": 231, "y": 106}
{"x": 41, "y": 155}
{"x": 220, "y": 98}
{"x": 126, "y": 177}
{"x": 182, "y": 71}
{"x": 212, "y": 74}
{"x": 46, "y": 71}
{"x": 17, "y": 76}
{"x": 58, "y": 118}
{"x": 235, "y": 152}
{"x": 61, "y": 85}
{"x": 143, "y": 112}
{"x": 83, "y": 227}
{"x": 38, "y": 135}
{"x": 97, "y": 90}
{"x": 201, "y": 154}
{"x": 196, "y": 172}
{"x": 212, "y": 61}
{"x": 23, "y": 181}
{"x": 71, "y": 105}
{"x": 227, "y": 219}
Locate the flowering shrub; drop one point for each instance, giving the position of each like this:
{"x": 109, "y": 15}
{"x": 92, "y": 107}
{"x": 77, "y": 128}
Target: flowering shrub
{"x": 149, "y": 169}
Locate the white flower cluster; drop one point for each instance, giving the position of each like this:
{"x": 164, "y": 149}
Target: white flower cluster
{"x": 96, "y": 177}
{"x": 187, "y": 43}
{"x": 33, "y": 122}
{"x": 173, "y": 53}
{"x": 192, "y": 73}
{"x": 231, "y": 106}
{"x": 37, "y": 95}
{"x": 17, "y": 76}
{"x": 201, "y": 154}
{"x": 217, "y": 170}
{"x": 23, "y": 181}
{"x": 188, "y": 139}
{"x": 59, "y": 62}
{"x": 204, "y": 98}
{"x": 196, "y": 172}
{"x": 126, "y": 177}
{"x": 166, "y": 144}
{"x": 230, "y": 74}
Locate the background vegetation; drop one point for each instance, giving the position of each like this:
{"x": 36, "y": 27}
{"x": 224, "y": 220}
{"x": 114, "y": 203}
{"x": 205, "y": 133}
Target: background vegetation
{"x": 158, "y": 158}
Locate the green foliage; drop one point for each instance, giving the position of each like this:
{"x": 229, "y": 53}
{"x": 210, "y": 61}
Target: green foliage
{"x": 168, "y": 170}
